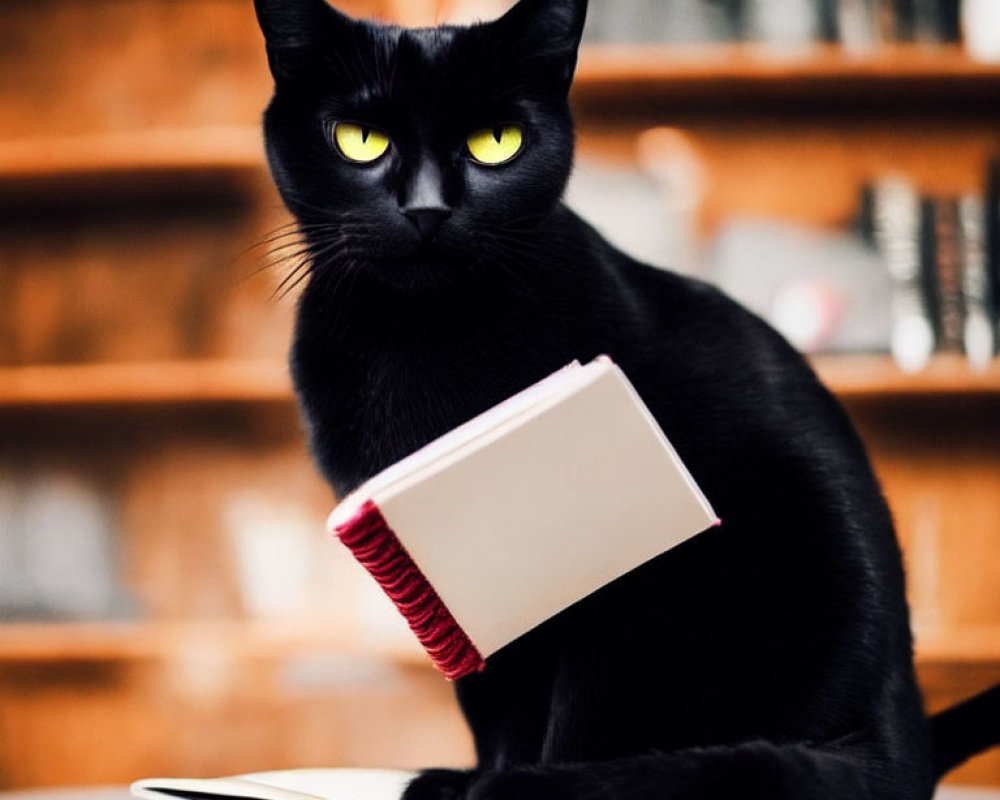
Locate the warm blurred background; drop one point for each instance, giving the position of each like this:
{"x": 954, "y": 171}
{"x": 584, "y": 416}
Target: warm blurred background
{"x": 169, "y": 602}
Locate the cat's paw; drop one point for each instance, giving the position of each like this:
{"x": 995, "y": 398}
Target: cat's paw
{"x": 439, "y": 784}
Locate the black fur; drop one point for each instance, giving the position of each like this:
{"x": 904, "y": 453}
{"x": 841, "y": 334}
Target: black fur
{"x": 963, "y": 730}
{"x": 768, "y": 658}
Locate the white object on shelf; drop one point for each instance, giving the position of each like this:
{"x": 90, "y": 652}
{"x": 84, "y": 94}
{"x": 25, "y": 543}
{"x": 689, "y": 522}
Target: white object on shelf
{"x": 627, "y": 207}
{"x": 981, "y": 29}
{"x": 783, "y": 22}
{"x": 276, "y": 548}
{"x": 68, "y": 547}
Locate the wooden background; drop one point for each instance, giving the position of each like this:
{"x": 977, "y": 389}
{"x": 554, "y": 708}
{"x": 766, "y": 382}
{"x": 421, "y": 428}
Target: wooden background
{"x": 141, "y": 353}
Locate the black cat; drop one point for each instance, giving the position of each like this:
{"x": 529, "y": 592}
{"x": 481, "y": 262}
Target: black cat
{"x": 768, "y": 658}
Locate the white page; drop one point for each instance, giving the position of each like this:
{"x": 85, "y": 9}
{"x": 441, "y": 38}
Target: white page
{"x": 296, "y": 784}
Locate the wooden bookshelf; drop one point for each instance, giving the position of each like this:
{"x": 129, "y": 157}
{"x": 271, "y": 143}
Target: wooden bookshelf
{"x": 605, "y": 72}
{"x": 168, "y": 113}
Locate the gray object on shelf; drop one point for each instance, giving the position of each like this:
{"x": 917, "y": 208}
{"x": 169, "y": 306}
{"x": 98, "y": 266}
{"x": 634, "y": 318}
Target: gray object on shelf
{"x": 17, "y": 595}
{"x": 783, "y": 22}
{"x": 628, "y": 208}
{"x": 57, "y": 557}
{"x": 823, "y": 291}
{"x": 661, "y": 21}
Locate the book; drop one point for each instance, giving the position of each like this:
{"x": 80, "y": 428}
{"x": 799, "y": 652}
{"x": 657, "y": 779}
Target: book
{"x": 978, "y": 334}
{"x": 898, "y": 226}
{"x": 947, "y": 257}
{"x": 521, "y": 512}
{"x": 991, "y": 234}
{"x": 929, "y": 265}
{"x": 857, "y": 24}
{"x": 290, "y": 784}
{"x": 928, "y": 21}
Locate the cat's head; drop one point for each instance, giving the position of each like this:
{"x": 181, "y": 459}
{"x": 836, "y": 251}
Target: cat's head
{"x": 412, "y": 154}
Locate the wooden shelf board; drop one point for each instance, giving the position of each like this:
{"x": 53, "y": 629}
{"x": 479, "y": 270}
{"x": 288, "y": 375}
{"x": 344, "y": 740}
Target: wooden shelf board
{"x": 163, "y": 153}
{"x": 78, "y": 641}
{"x": 874, "y": 376}
{"x": 760, "y": 63}
{"x": 971, "y": 645}
{"x": 817, "y": 72}
{"x": 266, "y": 381}
{"x": 179, "y": 382}
{"x": 52, "y": 642}
{"x": 125, "y": 641}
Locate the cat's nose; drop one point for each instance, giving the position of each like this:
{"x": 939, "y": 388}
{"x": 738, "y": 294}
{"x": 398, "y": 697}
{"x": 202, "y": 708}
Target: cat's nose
{"x": 427, "y": 219}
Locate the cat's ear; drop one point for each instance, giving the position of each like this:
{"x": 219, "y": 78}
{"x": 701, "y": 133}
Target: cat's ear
{"x": 546, "y": 30}
{"x": 297, "y": 32}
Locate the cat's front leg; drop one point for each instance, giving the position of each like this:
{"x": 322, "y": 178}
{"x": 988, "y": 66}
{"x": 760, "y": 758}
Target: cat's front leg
{"x": 751, "y": 771}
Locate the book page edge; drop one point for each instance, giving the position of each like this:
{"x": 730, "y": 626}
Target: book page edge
{"x": 160, "y": 788}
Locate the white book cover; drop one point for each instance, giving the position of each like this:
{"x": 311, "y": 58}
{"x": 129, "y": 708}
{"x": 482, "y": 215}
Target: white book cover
{"x": 555, "y": 492}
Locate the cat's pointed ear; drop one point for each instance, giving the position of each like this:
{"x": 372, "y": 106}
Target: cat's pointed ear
{"x": 547, "y": 30}
{"x": 297, "y": 31}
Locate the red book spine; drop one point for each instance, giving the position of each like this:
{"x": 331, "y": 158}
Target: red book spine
{"x": 377, "y": 548}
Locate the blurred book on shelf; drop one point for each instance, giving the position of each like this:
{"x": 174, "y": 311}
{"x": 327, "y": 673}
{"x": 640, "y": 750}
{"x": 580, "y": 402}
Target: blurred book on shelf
{"x": 979, "y": 338}
{"x": 896, "y": 226}
{"x": 980, "y": 23}
{"x": 944, "y": 270}
{"x": 991, "y": 241}
{"x": 58, "y": 549}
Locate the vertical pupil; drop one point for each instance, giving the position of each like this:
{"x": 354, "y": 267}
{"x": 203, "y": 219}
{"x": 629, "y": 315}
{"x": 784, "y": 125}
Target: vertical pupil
{"x": 365, "y": 133}
{"x": 498, "y": 133}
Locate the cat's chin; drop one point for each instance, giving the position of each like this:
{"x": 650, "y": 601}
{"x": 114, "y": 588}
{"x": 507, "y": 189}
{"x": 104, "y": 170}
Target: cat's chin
{"x": 425, "y": 273}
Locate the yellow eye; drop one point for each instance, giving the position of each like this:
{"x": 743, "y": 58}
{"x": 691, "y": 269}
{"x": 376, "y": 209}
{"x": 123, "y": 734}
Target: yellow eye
{"x": 495, "y": 146}
{"x": 359, "y": 143}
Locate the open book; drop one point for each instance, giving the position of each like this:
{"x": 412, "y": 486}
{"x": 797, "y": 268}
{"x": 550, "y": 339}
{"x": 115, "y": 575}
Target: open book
{"x": 291, "y": 784}
{"x": 526, "y": 509}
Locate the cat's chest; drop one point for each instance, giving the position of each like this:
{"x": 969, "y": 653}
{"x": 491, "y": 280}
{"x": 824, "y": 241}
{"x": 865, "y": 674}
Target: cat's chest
{"x": 380, "y": 408}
